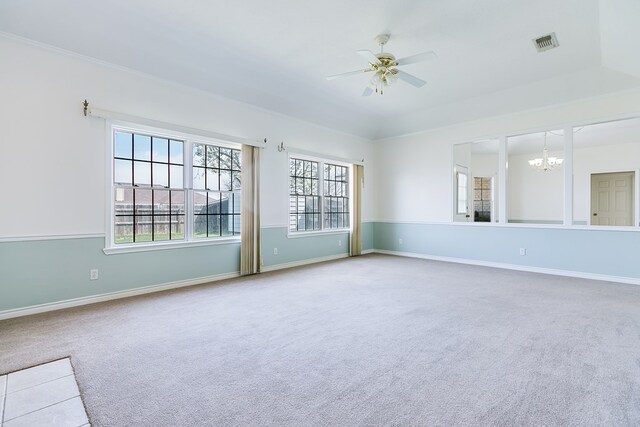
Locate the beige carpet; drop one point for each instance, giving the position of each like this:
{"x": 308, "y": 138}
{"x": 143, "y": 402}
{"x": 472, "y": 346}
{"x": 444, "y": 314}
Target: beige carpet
{"x": 374, "y": 340}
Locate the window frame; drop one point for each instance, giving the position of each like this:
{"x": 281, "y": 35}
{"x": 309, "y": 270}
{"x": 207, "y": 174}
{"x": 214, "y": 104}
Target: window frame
{"x": 321, "y": 163}
{"x": 189, "y": 140}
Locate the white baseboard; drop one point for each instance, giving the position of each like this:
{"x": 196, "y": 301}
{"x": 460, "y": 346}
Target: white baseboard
{"x": 302, "y": 262}
{"x": 41, "y": 308}
{"x": 368, "y": 251}
{"x": 567, "y": 273}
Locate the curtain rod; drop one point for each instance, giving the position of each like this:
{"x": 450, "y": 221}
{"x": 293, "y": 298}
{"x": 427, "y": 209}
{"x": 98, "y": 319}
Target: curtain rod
{"x": 106, "y": 114}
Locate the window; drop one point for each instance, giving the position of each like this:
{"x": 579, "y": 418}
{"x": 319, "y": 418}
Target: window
{"x": 336, "y": 200}
{"x": 216, "y": 171}
{"x": 318, "y": 195}
{"x": 161, "y": 195}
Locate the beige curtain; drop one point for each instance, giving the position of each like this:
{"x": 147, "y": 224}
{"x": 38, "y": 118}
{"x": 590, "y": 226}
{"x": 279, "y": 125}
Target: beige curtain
{"x": 250, "y": 216}
{"x": 355, "y": 244}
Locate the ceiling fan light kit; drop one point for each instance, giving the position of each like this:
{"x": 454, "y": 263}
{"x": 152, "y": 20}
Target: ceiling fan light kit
{"x": 384, "y": 65}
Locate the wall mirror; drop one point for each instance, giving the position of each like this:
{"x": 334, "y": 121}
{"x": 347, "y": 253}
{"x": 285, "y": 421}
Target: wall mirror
{"x": 475, "y": 178}
{"x": 535, "y": 178}
{"x": 606, "y": 160}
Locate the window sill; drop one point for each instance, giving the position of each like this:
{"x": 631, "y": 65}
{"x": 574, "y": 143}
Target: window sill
{"x": 122, "y": 249}
{"x": 296, "y": 234}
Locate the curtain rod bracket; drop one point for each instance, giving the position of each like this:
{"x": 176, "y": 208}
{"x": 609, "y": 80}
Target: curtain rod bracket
{"x": 86, "y": 107}
{"x": 281, "y": 147}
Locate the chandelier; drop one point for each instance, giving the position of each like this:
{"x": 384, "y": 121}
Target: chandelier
{"x": 546, "y": 163}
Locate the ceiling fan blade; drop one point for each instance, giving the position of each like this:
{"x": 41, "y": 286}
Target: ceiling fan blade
{"x": 348, "y": 74}
{"x": 369, "y": 56}
{"x": 412, "y": 80}
{"x": 367, "y": 91}
{"x": 424, "y": 56}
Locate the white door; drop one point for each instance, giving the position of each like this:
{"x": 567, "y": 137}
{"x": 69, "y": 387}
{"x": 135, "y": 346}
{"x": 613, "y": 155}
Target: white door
{"x": 612, "y": 198}
{"x": 463, "y": 191}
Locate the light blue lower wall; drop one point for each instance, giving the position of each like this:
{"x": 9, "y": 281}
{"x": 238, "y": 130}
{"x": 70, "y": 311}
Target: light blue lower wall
{"x": 45, "y": 271}
{"x": 367, "y": 236}
{"x": 603, "y": 252}
{"x": 299, "y": 248}
{"x": 36, "y": 272}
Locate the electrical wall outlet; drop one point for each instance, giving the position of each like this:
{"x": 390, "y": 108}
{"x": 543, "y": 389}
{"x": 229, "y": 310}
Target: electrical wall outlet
{"x": 275, "y": 251}
{"x": 523, "y": 251}
{"x": 400, "y": 241}
{"x": 339, "y": 242}
{"x": 93, "y": 274}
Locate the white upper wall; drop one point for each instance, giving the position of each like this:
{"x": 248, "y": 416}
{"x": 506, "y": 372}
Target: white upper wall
{"x": 416, "y": 178}
{"x": 53, "y": 158}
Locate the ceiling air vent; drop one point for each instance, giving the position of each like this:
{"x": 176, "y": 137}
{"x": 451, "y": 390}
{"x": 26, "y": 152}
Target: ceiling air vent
{"x": 546, "y": 42}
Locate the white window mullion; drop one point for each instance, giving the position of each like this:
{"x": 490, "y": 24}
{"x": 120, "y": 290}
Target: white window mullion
{"x": 188, "y": 188}
{"x": 321, "y": 192}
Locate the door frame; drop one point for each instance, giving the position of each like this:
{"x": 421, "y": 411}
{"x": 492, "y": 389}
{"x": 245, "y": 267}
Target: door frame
{"x": 634, "y": 193}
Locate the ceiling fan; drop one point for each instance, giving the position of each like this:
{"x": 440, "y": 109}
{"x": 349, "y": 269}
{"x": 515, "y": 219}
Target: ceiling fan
{"x": 384, "y": 65}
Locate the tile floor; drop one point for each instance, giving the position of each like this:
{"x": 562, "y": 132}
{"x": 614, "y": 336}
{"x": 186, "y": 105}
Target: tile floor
{"x": 45, "y": 395}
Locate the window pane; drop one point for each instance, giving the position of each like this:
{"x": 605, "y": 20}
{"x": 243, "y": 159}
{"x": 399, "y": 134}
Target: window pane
{"x": 198, "y": 155}
{"x": 213, "y": 157}
{"x": 160, "y": 227}
{"x": 123, "y": 145}
{"x": 235, "y": 180}
{"x": 160, "y": 175}
{"x": 200, "y": 226}
{"x": 176, "y": 150}
{"x": 225, "y": 158}
{"x": 123, "y": 229}
{"x": 123, "y": 201}
{"x": 213, "y": 203}
{"x": 212, "y": 179}
{"x": 225, "y": 180}
{"x": 141, "y": 147}
{"x": 177, "y": 227}
{"x": 175, "y": 176}
{"x": 225, "y": 204}
{"x": 214, "y": 225}
{"x": 198, "y": 178}
{"x": 122, "y": 172}
{"x": 160, "y": 150}
{"x": 200, "y": 202}
{"x": 161, "y": 202}
{"x": 143, "y": 202}
{"x": 141, "y": 173}
{"x": 236, "y": 159}
{"x": 143, "y": 228}
{"x": 237, "y": 200}
{"x": 177, "y": 202}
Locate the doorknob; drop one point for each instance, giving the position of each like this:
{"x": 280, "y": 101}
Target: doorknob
{"x": 595, "y": 214}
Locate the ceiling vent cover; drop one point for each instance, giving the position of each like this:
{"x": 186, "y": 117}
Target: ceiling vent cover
{"x": 546, "y": 42}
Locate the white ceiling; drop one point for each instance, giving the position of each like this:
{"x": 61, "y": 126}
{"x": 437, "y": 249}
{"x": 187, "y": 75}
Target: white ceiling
{"x": 276, "y": 54}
